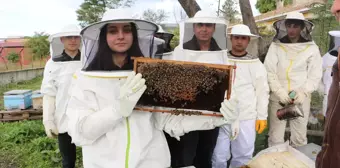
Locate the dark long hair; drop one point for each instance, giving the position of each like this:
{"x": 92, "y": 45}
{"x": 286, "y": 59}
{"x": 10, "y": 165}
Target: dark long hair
{"x": 103, "y": 58}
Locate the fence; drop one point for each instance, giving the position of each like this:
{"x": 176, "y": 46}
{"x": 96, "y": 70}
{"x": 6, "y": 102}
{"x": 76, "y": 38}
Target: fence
{"x": 20, "y": 75}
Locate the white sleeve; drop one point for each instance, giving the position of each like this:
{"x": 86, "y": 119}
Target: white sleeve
{"x": 177, "y": 126}
{"x": 262, "y": 91}
{"x": 88, "y": 122}
{"x": 314, "y": 72}
{"x": 48, "y": 108}
{"x": 271, "y": 63}
{"x": 48, "y": 85}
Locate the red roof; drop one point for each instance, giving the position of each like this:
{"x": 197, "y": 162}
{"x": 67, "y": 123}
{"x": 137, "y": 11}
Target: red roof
{"x": 12, "y": 44}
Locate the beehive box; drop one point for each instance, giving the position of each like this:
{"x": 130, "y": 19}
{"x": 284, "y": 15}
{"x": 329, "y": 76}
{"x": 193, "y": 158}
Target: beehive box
{"x": 184, "y": 85}
{"x": 37, "y": 100}
{"x": 18, "y": 99}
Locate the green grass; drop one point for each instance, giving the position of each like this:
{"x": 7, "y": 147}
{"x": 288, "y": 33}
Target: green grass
{"x": 25, "y": 145}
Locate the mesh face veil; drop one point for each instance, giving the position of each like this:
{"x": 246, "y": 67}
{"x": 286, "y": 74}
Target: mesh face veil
{"x": 143, "y": 32}
{"x": 295, "y": 18}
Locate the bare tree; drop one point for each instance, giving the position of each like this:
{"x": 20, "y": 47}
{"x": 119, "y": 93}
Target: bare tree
{"x": 155, "y": 16}
{"x": 181, "y": 12}
{"x": 190, "y": 7}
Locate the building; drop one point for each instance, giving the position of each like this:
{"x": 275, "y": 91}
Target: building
{"x": 17, "y": 45}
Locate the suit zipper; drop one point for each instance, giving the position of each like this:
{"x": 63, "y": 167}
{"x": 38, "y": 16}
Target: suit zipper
{"x": 127, "y": 151}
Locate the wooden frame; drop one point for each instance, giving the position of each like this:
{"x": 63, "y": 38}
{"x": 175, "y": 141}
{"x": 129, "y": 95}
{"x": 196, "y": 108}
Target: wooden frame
{"x": 229, "y": 68}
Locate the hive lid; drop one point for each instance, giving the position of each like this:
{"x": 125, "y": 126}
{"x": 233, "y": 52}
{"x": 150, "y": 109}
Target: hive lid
{"x": 17, "y": 92}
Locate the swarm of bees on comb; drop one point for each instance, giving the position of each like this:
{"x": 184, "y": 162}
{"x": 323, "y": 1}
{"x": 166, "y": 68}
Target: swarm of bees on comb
{"x": 183, "y": 86}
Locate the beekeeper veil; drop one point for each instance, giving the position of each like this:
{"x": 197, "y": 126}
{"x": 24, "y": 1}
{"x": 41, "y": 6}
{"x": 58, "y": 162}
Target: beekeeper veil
{"x": 334, "y": 42}
{"x": 203, "y": 27}
{"x": 56, "y": 45}
{"x": 295, "y": 18}
{"x": 166, "y": 36}
{"x": 94, "y": 37}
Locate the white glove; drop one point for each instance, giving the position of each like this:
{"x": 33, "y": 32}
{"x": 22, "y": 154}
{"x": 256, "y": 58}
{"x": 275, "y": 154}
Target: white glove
{"x": 235, "y": 129}
{"x": 228, "y": 110}
{"x": 48, "y": 116}
{"x": 130, "y": 93}
{"x": 283, "y": 96}
{"x": 50, "y": 129}
{"x": 300, "y": 97}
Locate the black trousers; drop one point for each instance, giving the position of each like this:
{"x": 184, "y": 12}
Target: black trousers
{"x": 67, "y": 151}
{"x": 195, "y": 148}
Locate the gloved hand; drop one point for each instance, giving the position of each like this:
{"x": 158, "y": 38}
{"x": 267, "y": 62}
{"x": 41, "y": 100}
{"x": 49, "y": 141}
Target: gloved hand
{"x": 300, "y": 97}
{"x": 51, "y": 129}
{"x": 283, "y": 96}
{"x": 260, "y": 126}
{"x": 235, "y": 129}
{"x": 48, "y": 116}
{"x": 130, "y": 92}
{"x": 228, "y": 110}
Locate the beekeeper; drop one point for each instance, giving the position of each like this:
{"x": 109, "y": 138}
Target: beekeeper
{"x": 238, "y": 139}
{"x": 329, "y": 154}
{"x": 202, "y": 39}
{"x": 101, "y": 109}
{"x": 65, "y": 60}
{"x": 293, "y": 63}
{"x": 328, "y": 61}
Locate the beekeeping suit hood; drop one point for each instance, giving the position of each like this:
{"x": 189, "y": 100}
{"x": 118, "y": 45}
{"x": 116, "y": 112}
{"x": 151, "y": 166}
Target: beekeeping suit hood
{"x": 218, "y": 46}
{"x": 90, "y": 34}
{"x": 166, "y": 37}
{"x": 328, "y": 61}
{"x": 57, "y": 79}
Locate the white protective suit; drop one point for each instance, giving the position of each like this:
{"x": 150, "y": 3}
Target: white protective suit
{"x": 96, "y": 124}
{"x": 56, "y": 83}
{"x": 292, "y": 67}
{"x": 328, "y": 61}
{"x": 253, "y": 95}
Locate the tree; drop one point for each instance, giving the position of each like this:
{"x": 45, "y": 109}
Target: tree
{"x": 14, "y": 58}
{"x": 190, "y": 7}
{"x": 92, "y": 11}
{"x": 39, "y": 45}
{"x": 155, "y": 16}
{"x": 324, "y": 22}
{"x": 265, "y": 6}
{"x": 175, "y": 40}
{"x": 230, "y": 12}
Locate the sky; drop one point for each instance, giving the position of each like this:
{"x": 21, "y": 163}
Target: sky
{"x": 24, "y": 17}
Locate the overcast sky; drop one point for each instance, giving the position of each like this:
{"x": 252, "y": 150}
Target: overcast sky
{"x": 24, "y": 17}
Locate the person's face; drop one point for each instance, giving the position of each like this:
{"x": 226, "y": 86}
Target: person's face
{"x": 71, "y": 43}
{"x": 293, "y": 30}
{"x": 239, "y": 43}
{"x": 119, "y": 36}
{"x": 204, "y": 31}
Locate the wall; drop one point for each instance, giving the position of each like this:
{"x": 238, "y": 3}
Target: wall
{"x": 17, "y": 76}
